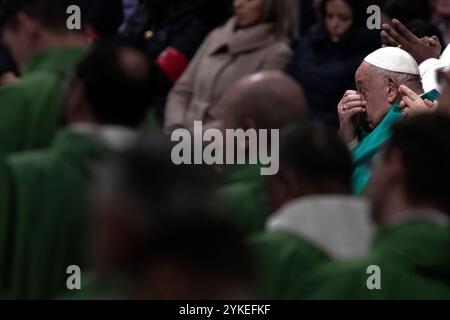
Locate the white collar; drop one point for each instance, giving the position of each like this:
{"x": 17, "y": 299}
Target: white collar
{"x": 116, "y": 137}
{"x": 426, "y": 215}
{"x": 338, "y": 224}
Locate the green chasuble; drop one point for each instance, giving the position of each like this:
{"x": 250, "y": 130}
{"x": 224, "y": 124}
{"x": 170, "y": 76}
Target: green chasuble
{"x": 244, "y": 197}
{"x": 414, "y": 262}
{"x": 44, "y": 231}
{"x": 30, "y": 110}
{"x": 371, "y": 143}
{"x": 282, "y": 257}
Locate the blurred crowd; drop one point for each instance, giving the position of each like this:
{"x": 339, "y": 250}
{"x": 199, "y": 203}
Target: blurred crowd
{"x": 359, "y": 208}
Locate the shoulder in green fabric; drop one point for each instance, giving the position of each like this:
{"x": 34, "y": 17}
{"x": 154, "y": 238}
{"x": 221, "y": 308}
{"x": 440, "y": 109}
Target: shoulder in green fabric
{"x": 30, "y": 110}
{"x": 47, "y": 224}
{"x": 244, "y": 198}
{"x": 283, "y": 258}
{"x": 371, "y": 143}
{"x": 414, "y": 262}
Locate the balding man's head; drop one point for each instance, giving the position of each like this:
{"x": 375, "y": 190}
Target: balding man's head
{"x": 266, "y": 100}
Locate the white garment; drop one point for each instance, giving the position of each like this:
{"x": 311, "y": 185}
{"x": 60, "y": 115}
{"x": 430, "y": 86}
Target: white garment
{"x": 428, "y": 70}
{"x": 115, "y": 137}
{"x": 339, "y": 225}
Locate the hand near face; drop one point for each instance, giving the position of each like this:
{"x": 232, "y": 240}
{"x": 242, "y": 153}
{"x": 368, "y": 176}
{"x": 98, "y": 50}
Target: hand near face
{"x": 412, "y": 104}
{"x": 350, "y": 108}
{"x": 421, "y": 49}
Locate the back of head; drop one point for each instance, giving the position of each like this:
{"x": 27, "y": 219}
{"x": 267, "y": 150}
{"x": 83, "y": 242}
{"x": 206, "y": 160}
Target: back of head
{"x": 271, "y": 99}
{"x": 116, "y": 79}
{"x": 425, "y": 150}
{"x": 51, "y": 14}
{"x": 146, "y": 178}
{"x": 207, "y": 254}
{"x": 313, "y": 161}
{"x": 317, "y": 153}
{"x": 157, "y": 224}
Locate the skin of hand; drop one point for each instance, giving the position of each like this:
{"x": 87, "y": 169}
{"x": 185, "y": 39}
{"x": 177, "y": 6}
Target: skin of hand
{"x": 412, "y": 104}
{"x": 350, "y": 108}
{"x": 7, "y": 78}
{"x": 423, "y": 49}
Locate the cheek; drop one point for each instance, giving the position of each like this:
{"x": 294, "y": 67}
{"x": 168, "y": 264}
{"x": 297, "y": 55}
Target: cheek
{"x": 274, "y": 194}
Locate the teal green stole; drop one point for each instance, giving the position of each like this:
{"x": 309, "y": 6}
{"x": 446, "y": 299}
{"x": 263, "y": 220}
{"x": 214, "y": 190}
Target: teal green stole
{"x": 371, "y": 143}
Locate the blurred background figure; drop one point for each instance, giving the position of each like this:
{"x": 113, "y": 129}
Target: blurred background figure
{"x": 327, "y": 57}
{"x": 410, "y": 202}
{"x": 156, "y": 227}
{"x": 171, "y": 31}
{"x": 308, "y": 15}
{"x": 416, "y": 15}
{"x": 441, "y": 18}
{"x": 42, "y": 233}
{"x": 45, "y": 51}
{"x": 8, "y": 69}
{"x": 266, "y": 100}
{"x": 103, "y": 18}
{"x": 256, "y": 38}
{"x": 313, "y": 217}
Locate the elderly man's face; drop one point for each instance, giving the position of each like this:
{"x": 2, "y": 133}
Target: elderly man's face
{"x": 375, "y": 90}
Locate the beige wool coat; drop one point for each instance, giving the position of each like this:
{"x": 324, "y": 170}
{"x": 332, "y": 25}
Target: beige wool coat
{"x": 227, "y": 55}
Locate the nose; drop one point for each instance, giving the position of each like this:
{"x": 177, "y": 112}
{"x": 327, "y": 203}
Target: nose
{"x": 335, "y": 23}
{"x": 237, "y": 4}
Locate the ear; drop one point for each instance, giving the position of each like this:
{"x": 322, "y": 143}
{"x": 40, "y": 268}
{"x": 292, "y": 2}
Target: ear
{"x": 247, "y": 124}
{"x": 28, "y": 25}
{"x": 396, "y": 166}
{"x": 294, "y": 182}
{"x": 393, "y": 91}
{"x": 74, "y": 101}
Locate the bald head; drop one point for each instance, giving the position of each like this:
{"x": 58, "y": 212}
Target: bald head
{"x": 266, "y": 100}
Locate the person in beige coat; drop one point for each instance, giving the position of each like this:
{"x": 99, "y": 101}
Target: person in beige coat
{"x": 253, "y": 40}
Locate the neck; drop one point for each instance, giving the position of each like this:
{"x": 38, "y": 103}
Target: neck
{"x": 51, "y": 41}
{"x": 398, "y": 208}
{"x": 65, "y": 40}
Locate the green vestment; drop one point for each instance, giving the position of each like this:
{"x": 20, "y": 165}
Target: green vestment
{"x": 43, "y": 229}
{"x": 30, "y": 109}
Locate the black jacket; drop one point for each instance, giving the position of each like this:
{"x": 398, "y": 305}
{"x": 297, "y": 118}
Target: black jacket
{"x": 183, "y": 32}
{"x": 326, "y": 69}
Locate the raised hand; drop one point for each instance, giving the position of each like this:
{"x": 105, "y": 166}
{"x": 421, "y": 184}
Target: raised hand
{"x": 421, "y": 49}
{"x": 413, "y": 104}
{"x": 350, "y": 108}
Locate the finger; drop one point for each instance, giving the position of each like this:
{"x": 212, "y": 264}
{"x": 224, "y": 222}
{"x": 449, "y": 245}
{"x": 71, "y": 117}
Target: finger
{"x": 387, "y": 40}
{"x": 396, "y": 37}
{"x": 435, "y": 39}
{"x": 354, "y": 97}
{"x": 409, "y": 102}
{"x": 408, "y": 92}
{"x": 349, "y": 92}
{"x": 355, "y": 111}
{"x": 355, "y": 104}
{"x": 403, "y": 104}
{"x": 406, "y": 113}
{"x": 430, "y": 104}
{"x": 404, "y": 31}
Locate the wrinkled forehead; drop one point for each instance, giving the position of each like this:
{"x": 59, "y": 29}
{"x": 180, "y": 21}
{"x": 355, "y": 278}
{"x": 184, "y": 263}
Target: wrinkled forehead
{"x": 365, "y": 74}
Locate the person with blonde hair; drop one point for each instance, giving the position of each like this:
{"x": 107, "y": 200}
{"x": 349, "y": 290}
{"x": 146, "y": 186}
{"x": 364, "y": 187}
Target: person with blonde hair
{"x": 256, "y": 38}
